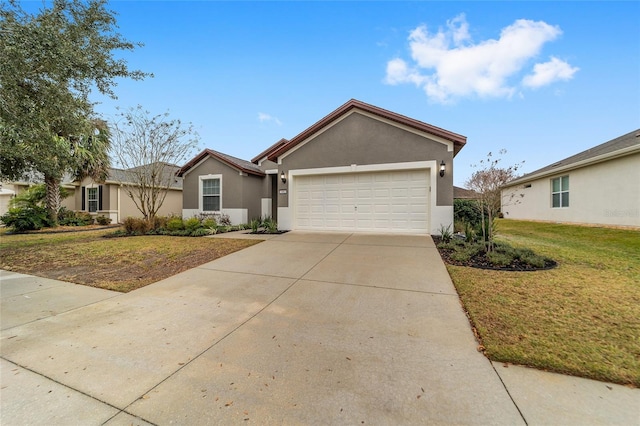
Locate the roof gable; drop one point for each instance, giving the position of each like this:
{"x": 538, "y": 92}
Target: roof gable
{"x": 621, "y": 145}
{"x": 458, "y": 140}
{"x": 236, "y": 163}
{"x": 268, "y": 151}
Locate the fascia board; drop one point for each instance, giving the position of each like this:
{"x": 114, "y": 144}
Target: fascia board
{"x": 577, "y": 165}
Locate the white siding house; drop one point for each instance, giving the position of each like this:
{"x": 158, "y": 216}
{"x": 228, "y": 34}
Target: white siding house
{"x": 598, "y": 186}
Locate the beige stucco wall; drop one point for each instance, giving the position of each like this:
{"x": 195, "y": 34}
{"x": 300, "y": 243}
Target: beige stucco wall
{"x": 606, "y": 193}
{"x": 117, "y": 205}
{"x": 6, "y": 197}
{"x": 172, "y": 204}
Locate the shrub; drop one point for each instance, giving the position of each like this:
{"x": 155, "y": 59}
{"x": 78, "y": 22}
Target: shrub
{"x": 469, "y": 233}
{"x": 270, "y": 225}
{"x": 192, "y": 224}
{"x": 136, "y": 226}
{"x": 255, "y": 224}
{"x": 445, "y": 233}
{"x": 500, "y": 259}
{"x": 209, "y": 223}
{"x": 201, "y": 232}
{"x": 224, "y": 220}
{"x": 103, "y": 220}
{"x": 23, "y": 219}
{"x": 159, "y": 222}
{"x": 467, "y": 211}
{"x": 70, "y": 218}
{"x": 175, "y": 224}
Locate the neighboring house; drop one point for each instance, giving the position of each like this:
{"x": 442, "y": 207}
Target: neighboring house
{"x": 360, "y": 168}
{"x": 598, "y": 186}
{"x": 464, "y": 194}
{"x": 9, "y": 190}
{"x": 110, "y": 199}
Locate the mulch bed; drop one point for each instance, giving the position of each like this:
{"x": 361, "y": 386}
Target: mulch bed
{"x": 480, "y": 261}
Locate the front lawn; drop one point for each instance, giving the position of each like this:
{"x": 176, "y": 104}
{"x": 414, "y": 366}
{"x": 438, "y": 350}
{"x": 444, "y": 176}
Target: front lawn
{"x": 581, "y": 318}
{"x": 121, "y": 264}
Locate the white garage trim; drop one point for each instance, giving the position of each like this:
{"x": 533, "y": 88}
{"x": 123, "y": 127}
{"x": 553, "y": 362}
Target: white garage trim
{"x": 287, "y": 215}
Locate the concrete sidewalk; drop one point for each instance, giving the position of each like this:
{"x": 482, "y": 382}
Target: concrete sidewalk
{"x": 305, "y": 328}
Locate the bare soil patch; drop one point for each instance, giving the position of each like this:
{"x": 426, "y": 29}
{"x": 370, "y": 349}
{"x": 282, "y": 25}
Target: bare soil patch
{"x": 121, "y": 264}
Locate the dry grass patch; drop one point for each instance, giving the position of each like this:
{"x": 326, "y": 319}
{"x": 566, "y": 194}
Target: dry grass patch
{"x": 120, "y": 264}
{"x": 582, "y": 318}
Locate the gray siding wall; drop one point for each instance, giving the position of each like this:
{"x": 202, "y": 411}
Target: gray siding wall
{"x": 359, "y": 139}
{"x": 238, "y": 192}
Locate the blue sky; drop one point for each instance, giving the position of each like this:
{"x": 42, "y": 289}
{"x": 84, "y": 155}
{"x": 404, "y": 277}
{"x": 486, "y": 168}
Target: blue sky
{"x": 543, "y": 80}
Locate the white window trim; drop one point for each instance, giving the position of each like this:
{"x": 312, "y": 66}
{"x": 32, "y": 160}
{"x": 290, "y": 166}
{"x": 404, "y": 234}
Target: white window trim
{"x": 559, "y": 192}
{"x": 203, "y": 178}
{"x": 97, "y": 199}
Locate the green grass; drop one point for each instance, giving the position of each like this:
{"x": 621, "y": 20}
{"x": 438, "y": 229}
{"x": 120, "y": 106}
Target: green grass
{"x": 121, "y": 264}
{"x": 581, "y": 318}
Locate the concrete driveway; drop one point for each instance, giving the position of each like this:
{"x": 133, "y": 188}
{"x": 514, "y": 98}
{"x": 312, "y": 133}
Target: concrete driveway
{"x": 305, "y": 328}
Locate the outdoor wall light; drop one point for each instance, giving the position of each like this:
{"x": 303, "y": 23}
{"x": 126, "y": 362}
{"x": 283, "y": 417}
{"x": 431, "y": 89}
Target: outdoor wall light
{"x": 283, "y": 177}
{"x": 443, "y": 167}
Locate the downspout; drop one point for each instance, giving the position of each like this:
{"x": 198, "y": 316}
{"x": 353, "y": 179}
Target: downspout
{"x": 118, "y": 218}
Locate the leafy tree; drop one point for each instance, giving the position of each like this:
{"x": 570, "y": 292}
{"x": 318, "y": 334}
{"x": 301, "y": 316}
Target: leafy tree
{"x": 148, "y": 148}
{"x": 50, "y": 63}
{"x": 488, "y": 181}
{"x": 35, "y": 195}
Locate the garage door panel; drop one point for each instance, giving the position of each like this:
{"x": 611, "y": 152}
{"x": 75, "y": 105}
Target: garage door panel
{"x": 377, "y": 201}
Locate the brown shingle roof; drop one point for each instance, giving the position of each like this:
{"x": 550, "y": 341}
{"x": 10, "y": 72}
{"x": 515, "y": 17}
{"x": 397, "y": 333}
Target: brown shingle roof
{"x": 269, "y": 150}
{"x": 605, "y": 150}
{"x": 458, "y": 140}
{"x": 237, "y": 163}
{"x": 464, "y": 194}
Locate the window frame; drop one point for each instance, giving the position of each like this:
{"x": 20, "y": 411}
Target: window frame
{"x": 201, "y": 194}
{"x": 90, "y": 200}
{"x": 562, "y": 192}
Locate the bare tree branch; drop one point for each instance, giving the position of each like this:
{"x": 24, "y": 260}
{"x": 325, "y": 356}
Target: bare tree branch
{"x": 149, "y": 150}
{"x": 488, "y": 181}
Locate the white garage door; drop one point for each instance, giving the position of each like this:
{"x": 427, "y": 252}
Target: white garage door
{"x": 395, "y": 201}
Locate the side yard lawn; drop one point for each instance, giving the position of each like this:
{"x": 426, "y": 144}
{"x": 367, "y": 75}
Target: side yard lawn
{"x": 581, "y": 318}
{"x": 121, "y": 264}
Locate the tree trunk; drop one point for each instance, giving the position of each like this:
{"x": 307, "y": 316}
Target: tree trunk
{"x": 53, "y": 198}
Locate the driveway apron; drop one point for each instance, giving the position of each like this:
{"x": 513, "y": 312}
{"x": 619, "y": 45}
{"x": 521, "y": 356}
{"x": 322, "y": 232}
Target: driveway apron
{"x": 305, "y": 328}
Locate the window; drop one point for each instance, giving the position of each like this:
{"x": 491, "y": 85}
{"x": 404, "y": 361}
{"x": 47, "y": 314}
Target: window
{"x": 211, "y": 195}
{"x": 92, "y": 197}
{"x": 560, "y": 192}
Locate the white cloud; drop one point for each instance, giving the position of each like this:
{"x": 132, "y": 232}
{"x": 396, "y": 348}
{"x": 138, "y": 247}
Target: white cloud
{"x": 266, "y": 118}
{"x": 548, "y": 72}
{"x": 448, "y": 65}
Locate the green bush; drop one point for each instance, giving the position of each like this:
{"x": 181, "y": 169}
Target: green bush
{"x": 22, "y": 219}
{"x": 255, "y": 224}
{"x": 467, "y": 211}
{"x": 192, "y": 224}
{"x": 465, "y": 251}
{"x": 175, "y": 224}
{"x": 500, "y": 259}
{"x": 209, "y": 223}
{"x": 201, "y": 232}
{"x": 103, "y": 220}
{"x": 136, "y": 226}
{"x": 445, "y": 233}
{"x": 70, "y": 218}
{"x": 270, "y": 225}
